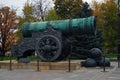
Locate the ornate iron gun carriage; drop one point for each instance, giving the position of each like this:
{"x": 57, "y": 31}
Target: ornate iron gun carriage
{"x": 49, "y": 39}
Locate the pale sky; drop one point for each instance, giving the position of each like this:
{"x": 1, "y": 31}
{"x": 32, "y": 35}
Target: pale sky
{"x": 18, "y": 4}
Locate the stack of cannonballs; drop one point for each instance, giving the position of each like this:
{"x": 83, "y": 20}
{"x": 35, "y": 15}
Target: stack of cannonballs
{"x": 96, "y": 59}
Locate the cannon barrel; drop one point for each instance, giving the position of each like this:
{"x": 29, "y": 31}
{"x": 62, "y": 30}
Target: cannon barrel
{"x": 69, "y": 26}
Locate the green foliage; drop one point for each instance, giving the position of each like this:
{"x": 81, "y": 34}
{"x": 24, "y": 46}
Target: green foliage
{"x": 28, "y": 9}
{"x": 108, "y": 21}
{"x": 97, "y": 12}
{"x": 28, "y": 17}
{"x": 85, "y": 11}
{"x": 52, "y": 15}
{"x": 67, "y": 8}
{"x": 33, "y": 58}
{"x": 7, "y": 58}
{"x": 109, "y": 10}
{"x": 86, "y": 42}
{"x": 111, "y": 55}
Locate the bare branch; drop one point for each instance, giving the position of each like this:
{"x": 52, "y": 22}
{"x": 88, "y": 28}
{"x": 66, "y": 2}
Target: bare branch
{"x": 41, "y": 7}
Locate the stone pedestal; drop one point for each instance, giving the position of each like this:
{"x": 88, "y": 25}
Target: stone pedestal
{"x": 62, "y": 65}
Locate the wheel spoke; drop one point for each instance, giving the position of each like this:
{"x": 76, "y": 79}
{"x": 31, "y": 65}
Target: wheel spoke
{"x": 47, "y": 41}
{"x": 42, "y": 43}
{"x": 48, "y": 56}
{"x": 54, "y": 52}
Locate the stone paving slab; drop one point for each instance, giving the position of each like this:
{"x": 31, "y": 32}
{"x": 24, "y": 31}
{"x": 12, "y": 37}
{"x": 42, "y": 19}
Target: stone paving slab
{"x": 86, "y": 74}
{"x": 115, "y": 75}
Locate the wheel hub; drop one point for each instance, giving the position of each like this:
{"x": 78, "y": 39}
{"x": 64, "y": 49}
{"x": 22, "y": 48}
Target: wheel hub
{"x": 47, "y": 48}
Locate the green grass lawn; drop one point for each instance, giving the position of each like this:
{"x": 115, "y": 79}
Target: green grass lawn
{"x": 109, "y": 55}
{"x": 112, "y": 56}
{"x": 7, "y": 58}
{"x": 15, "y": 58}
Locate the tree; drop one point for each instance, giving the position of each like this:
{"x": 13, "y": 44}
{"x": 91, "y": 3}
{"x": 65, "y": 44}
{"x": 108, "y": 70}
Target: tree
{"x": 109, "y": 10}
{"x": 8, "y": 25}
{"x": 67, "y": 8}
{"x": 97, "y": 12}
{"x": 52, "y": 15}
{"x": 28, "y": 10}
{"x": 27, "y": 17}
{"x": 41, "y": 7}
{"x": 84, "y": 12}
{"x": 107, "y": 20}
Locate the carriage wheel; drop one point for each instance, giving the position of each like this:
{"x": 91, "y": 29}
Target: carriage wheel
{"x": 49, "y": 48}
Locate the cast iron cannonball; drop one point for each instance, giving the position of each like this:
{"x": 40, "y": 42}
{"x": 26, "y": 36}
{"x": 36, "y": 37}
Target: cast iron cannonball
{"x": 95, "y": 53}
{"x": 107, "y": 62}
{"x": 90, "y": 63}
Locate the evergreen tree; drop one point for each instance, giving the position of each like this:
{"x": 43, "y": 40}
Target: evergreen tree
{"x": 86, "y": 42}
{"x": 84, "y": 12}
{"x": 67, "y": 8}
